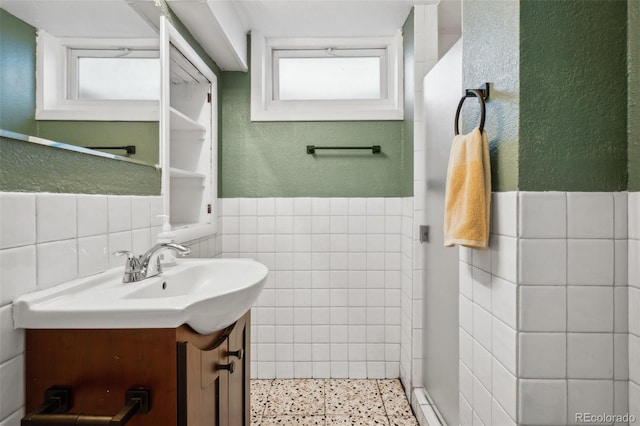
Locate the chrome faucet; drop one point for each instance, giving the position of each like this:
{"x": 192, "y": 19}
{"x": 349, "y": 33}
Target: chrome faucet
{"x": 140, "y": 267}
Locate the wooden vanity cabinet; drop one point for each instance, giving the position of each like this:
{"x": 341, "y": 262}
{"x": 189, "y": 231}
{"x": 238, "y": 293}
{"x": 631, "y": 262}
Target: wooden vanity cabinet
{"x": 194, "y": 379}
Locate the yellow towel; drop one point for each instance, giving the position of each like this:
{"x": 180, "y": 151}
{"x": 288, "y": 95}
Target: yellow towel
{"x": 468, "y": 193}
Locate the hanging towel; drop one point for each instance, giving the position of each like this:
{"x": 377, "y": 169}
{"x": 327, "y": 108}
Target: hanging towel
{"x": 468, "y": 192}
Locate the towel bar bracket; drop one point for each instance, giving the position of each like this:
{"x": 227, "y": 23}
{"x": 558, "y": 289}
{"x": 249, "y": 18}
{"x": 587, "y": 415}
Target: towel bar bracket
{"x": 484, "y": 90}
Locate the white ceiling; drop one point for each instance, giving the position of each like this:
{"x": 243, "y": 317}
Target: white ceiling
{"x": 325, "y": 18}
{"x": 81, "y": 18}
{"x": 220, "y": 25}
{"x": 273, "y": 18}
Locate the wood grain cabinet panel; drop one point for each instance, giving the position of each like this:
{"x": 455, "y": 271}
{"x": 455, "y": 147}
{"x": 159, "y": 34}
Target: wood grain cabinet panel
{"x": 188, "y": 374}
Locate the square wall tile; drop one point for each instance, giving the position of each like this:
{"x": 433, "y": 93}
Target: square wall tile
{"x": 633, "y": 204}
{"x": 634, "y": 358}
{"x": 57, "y": 262}
{"x": 93, "y": 255}
{"x": 543, "y": 308}
{"x": 621, "y": 262}
{"x": 590, "y": 309}
{"x": 621, "y": 356}
{"x": 620, "y": 212}
{"x": 12, "y": 339}
{"x": 156, "y": 211}
{"x": 482, "y": 361}
{"x": 504, "y": 301}
{"x": 266, "y": 206}
{"x": 55, "y": 217}
{"x": 542, "y": 355}
{"x": 119, "y": 213}
{"x": 482, "y": 326}
{"x": 465, "y": 384}
{"x": 589, "y": 396}
{"x": 634, "y": 263}
{"x": 543, "y": 214}
{"x": 17, "y": 219}
{"x": 634, "y": 310}
{"x": 504, "y": 216}
{"x": 542, "y": 402}
{"x": 140, "y": 212}
{"x": 504, "y": 388}
{"x": 481, "y": 402}
{"x": 634, "y": 399}
{"x": 543, "y": 262}
{"x": 504, "y": 257}
{"x": 590, "y": 262}
{"x": 504, "y": 343}
{"x": 465, "y": 344}
{"x": 482, "y": 288}
{"x": 92, "y": 215}
{"x": 590, "y": 355}
{"x": 11, "y": 386}
{"x": 621, "y": 397}
{"x": 17, "y": 272}
{"x": 465, "y": 279}
{"x": 621, "y": 310}
{"x": 590, "y": 215}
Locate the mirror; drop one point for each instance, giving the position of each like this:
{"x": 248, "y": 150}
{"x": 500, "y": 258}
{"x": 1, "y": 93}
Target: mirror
{"x": 52, "y": 166}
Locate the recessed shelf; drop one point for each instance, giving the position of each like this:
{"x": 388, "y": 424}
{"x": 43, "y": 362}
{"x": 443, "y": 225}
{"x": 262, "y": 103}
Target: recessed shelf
{"x": 187, "y": 136}
{"x": 179, "y": 121}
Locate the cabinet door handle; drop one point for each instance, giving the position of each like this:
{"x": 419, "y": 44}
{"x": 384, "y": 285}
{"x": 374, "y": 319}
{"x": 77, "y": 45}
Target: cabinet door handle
{"x": 238, "y": 354}
{"x": 230, "y": 367}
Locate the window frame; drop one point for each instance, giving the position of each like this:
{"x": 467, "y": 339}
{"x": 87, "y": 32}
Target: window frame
{"x": 266, "y": 107}
{"x": 53, "y": 100}
{"x": 379, "y": 53}
{"x": 75, "y": 53}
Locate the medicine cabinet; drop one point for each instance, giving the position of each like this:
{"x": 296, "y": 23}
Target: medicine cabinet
{"x": 188, "y": 137}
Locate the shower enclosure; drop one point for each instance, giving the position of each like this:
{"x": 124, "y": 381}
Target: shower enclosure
{"x": 442, "y": 91}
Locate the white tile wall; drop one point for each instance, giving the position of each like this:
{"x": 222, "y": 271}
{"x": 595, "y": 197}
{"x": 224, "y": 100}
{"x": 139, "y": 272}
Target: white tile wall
{"x": 488, "y": 318}
{"x": 575, "y": 284}
{"x": 633, "y": 276}
{"x": 47, "y": 239}
{"x": 333, "y": 302}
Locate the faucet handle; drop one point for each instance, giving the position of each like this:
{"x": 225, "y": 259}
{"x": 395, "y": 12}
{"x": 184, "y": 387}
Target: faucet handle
{"x": 127, "y": 253}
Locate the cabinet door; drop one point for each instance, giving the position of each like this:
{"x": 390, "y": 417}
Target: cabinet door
{"x": 239, "y": 398}
{"x": 203, "y": 399}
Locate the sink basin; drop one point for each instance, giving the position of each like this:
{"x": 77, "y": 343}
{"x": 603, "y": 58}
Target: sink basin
{"x": 206, "y": 294}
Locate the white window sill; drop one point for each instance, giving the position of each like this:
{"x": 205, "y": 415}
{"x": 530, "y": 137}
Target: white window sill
{"x": 102, "y": 111}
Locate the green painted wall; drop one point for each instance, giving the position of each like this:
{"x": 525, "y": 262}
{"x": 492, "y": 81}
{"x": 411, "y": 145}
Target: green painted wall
{"x": 408, "y": 49}
{"x": 633, "y": 91}
{"x": 557, "y": 118}
{"x": 26, "y": 167}
{"x": 491, "y": 54}
{"x": 573, "y": 95}
{"x": 144, "y": 135}
{"x": 269, "y": 159}
{"x": 17, "y": 75}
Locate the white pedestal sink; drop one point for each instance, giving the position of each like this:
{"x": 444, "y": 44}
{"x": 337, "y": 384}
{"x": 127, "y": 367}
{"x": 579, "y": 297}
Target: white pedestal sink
{"x": 206, "y": 294}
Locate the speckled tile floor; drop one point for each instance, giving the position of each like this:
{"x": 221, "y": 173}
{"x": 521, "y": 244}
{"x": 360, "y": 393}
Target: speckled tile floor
{"x": 329, "y": 402}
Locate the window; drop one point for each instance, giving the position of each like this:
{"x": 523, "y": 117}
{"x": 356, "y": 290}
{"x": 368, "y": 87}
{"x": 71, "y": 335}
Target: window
{"x": 326, "y": 79}
{"x": 115, "y": 74}
{"x": 97, "y": 79}
{"x": 328, "y": 74}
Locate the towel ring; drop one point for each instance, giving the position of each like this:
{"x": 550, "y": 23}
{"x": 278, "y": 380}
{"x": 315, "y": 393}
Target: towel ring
{"x": 481, "y": 94}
